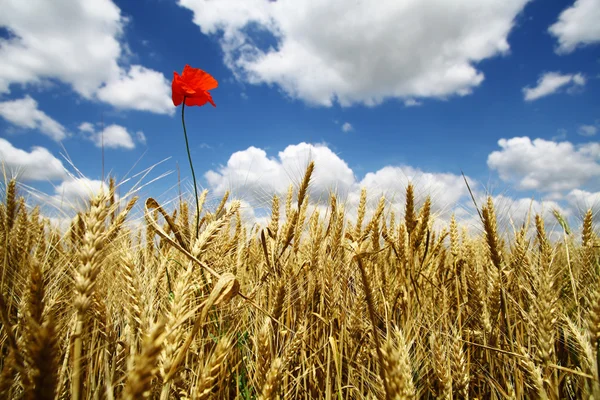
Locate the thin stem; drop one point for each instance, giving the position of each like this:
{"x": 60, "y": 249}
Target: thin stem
{"x": 187, "y": 146}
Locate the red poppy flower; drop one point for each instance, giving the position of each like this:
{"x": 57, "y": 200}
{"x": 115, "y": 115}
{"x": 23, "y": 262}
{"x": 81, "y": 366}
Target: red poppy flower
{"x": 193, "y": 85}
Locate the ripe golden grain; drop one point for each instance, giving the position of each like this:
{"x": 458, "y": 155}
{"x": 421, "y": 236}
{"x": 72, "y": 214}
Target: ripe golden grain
{"x": 320, "y": 303}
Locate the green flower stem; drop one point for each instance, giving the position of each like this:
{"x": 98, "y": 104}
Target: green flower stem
{"x": 187, "y": 146}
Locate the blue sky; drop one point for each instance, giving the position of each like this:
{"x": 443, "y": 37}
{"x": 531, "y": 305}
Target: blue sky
{"x": 377, "y": 93}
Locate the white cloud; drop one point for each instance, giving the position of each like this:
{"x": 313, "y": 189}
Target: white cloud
{"x": 517, "y": 210}
{"x": 347, "y": 127}
{"x": 412, "y": 103}
{"x": 86, "y": 127}
{"x": 141, "y": 137}
{"x": 140, "y": 89}
{"x": 37, "y": 165}
{"x": 395, "y": 49}
{"x": 74, "y": 41}
{"x": 73, "y": 194}
{"x": 561, "y": 134}
{"x": 77, "y": 42}
{"x": 579, "y": 80}
{"x": 445, "y": 189}
{"x": 550, "y": 83}
{"x": 112, "y": 137}
{"x": 512, "y": 213}
{"x": 577, "y": 26}
{"x": 545, "y": 165}
{"x": 25, "y": 114}
{"x": 253, "y": 176}
{"x": 587, "y": 130}
{"x": 583, "y": 200}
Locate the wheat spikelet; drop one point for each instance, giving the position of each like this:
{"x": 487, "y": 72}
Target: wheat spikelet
{"x": 315, "y": 233}
{"x": 279, "y": 301}
{"x": 491, "y": 236}
{"x": 305, "y": 182}
{"x": 299, "y": 227}
{"x": 212, "y": 371}
{"x": 38, "y": 340}
{"x": 183, "y": 224}
{"x": 399, "y": 369}
{"x": 85, "y": 280}
{"x": 134, "y": 307}
{"x": 373, "y": 227}
{"x": 362, "y": 209}
{"x": 43, "y": 353}
{"x": 143, "y": 370}
{"x": 291, "y": 351}
{"x": 410, "y": 218}
{"x": 9, "y": 371}
{"x": 274, "y": 222}
{"x": 423, "y": 223}
{"x": 211, "y": 232}
{"x": 263, "y": 353}
{"x": 454, "y": 238}
{"x": 587, "y": 232}
{"x": 11, "y": 204}
{"x": 271, "y": 386}
{"x": 117, "y": 221}
{"x": 316, "y": 306}
{"x": 176, "y": 315}
{"x": 460, "y": 369}
{"x": 443, "y": 387}
{"x": 533, "y": 376}
{"x": 546, "y": 297}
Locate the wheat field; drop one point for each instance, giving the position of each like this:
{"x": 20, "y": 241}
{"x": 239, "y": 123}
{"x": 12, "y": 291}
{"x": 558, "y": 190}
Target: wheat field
{"x": 313, "y": 306}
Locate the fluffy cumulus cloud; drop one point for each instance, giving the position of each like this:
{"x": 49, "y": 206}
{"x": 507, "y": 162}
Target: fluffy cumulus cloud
{"x": 552, "y": 82}
{"x": 360, "y": 51}
{"x": 577, "y": 26}
{"x": 25, "y": 113}
{"x": 112, "y": 137}
{"x": 77, "y": 42}
{"x": 141, "y": 89}
{"x": 73, "y": 194}
{"x": 587, "y": 130}
{"x": 36, "y": 165}
{"x": 513, "y": 212}
{"x": 347, "y": 127}
{"x": 545, "y": 165}
{"x": 86, "y": 127}
{"x": 254, "y": 176}
{"x": 445, "y": 189}
{"x": 583, "y": 200}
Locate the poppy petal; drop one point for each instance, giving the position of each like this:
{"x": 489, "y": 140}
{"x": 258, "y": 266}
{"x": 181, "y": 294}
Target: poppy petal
{"x": 192, "y": 86}
{"x": 177, "y": 92}
{"x": 210, "y": 100}
{"x": 177, "y": 99}
{"x": 198, "y": 100}
{"x": 198, "y": 79}
{"x": 195, "y": 101}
